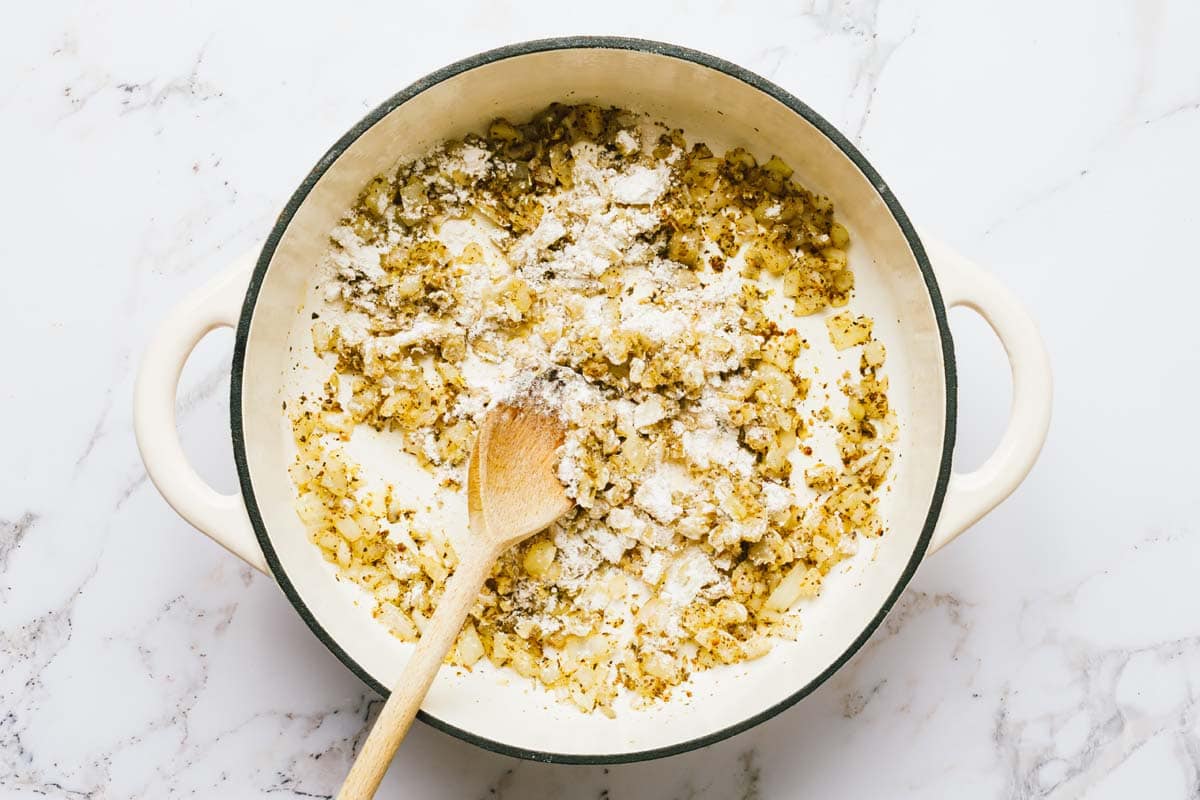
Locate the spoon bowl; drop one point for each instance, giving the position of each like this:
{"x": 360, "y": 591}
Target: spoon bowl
{"x": 513, "y": 489}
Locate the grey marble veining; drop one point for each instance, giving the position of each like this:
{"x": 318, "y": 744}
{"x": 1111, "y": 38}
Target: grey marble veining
{"x": 1053, "y": 651}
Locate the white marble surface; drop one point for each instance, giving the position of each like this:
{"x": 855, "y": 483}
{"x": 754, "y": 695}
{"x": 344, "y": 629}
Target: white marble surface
{"x": 1052, "y": 651}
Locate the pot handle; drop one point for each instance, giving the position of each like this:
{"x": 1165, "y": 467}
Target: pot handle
{"x": 970, "y": 495}
{"x": 221, "y": 516}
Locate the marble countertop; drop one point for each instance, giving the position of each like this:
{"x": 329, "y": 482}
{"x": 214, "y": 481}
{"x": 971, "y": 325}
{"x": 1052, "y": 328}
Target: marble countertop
{"x": 1054, "y": 650}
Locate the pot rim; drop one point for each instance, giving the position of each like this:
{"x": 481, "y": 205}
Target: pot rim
{"x": 576, "y": 43}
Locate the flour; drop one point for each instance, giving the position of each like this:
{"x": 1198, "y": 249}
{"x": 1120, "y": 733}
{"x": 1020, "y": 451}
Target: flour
{"x": 596, "y": 243}
{"x": 627, "y": 143}
{"x": 606, "y": 541}
{"x": 529, "y": 613}
{"x": 657, "y": 324}
{"x": 689, "y": 573}
{"x": 592, "y": 178}
{"x": 654, "y": 497}
{"x": 353, "y": 267}
{"x": 777, "y": 497}
{"x": 654, "y": 565}
{"x": 576, "y": 558}
{"x": 570, "y": 457}
{"x": 640, "y": 185}
{"x": 717, "y": 445}
{"x": 628, "y": 525}
{"x": 561, "y": 392}
{"x": 649, "y": 411}
{"x": 474, "y": 161}
{"x": 596, "y": 222}
{"x": 720, "y": 287}
{"x": 530, "y": 247}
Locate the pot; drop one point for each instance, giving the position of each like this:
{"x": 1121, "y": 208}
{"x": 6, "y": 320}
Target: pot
{"x": 904, "y": 280}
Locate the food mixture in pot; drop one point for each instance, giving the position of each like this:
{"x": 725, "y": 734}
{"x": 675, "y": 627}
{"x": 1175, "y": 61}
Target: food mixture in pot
{"x": 653, "y": 283}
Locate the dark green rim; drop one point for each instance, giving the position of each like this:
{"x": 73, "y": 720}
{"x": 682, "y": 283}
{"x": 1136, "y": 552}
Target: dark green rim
{"x": 574, "y": 43}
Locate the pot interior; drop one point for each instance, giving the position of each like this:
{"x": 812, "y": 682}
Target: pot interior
{"x": 723, "y": 110}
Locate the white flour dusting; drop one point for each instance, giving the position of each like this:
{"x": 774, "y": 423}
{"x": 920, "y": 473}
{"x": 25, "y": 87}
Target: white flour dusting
{"x": 654, "y": 497}
{"x": 640, "y": 186}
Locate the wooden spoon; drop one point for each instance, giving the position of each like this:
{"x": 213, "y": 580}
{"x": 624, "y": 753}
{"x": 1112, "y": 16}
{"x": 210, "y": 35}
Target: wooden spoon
{"x": 512, "y": 493}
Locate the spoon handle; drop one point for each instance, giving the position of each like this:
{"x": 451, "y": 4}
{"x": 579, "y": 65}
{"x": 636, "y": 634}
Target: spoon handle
{"x": 462, "y": 589}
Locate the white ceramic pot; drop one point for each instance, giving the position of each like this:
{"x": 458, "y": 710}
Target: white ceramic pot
{"x": 906, "y": 282}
